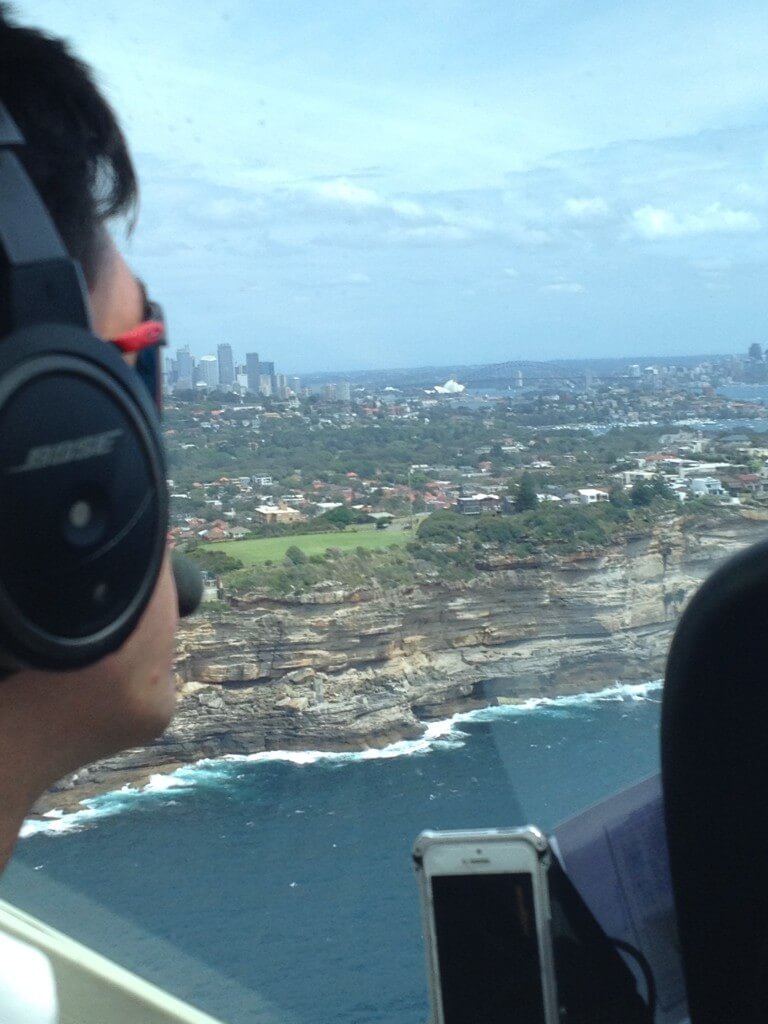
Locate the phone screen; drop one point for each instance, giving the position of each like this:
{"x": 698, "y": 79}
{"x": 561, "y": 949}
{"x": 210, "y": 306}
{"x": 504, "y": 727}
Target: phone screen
{"x": 488, "y": 949}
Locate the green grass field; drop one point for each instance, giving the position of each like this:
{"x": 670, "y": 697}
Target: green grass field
{"x": 265, "y": 549}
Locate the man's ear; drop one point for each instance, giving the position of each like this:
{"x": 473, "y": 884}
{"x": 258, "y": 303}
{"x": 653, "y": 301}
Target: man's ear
{"x": 117, "y": 302}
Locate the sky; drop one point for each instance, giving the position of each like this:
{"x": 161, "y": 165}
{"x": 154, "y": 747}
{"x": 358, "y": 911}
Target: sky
{"x": 357, "y": 184}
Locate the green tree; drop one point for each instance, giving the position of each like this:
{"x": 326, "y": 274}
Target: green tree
{"x": 618, "y": 496}
{"x": 661, "y": 488}
{"x": 526, "y": 499}
{"x": 644, "y": 491}
{"x": 642, "y": 494}
{"x": 339, "y": 517}
{"x": 216, "y": 562}
{"x": 296, "y": 555}
{"x": 418, "y": 480}
{"x": 443, "y": 527}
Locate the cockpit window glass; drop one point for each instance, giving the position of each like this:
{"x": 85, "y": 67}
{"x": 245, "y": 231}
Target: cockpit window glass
{"x": 464, "y": 398}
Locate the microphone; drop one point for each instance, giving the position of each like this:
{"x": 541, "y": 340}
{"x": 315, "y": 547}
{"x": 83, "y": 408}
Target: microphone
{"x": 189, "y": 583}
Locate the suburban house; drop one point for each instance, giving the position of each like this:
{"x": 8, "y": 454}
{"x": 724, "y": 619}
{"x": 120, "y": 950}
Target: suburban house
{"x": 703, "y": 486}
{"x": 267, "y": 514}
{"x": 474, "y": 504}
{"x": 591, "y": 495}
{"x": 239, "y": 532}
{"x": 214, "y": 533}
{"x": 745, "y": 483}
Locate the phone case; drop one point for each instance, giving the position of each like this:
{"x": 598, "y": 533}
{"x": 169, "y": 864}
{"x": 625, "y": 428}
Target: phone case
{"x": 540, "y": 846}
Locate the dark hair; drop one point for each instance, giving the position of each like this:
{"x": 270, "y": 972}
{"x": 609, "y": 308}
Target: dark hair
{"x": 76, "y": 153}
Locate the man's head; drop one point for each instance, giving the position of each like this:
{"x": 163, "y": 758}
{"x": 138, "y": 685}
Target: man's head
{"x": 75, "y": 153}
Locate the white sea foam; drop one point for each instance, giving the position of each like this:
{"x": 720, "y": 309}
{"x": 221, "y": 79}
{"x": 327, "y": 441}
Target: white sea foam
{"x": 59, "y": 822}
{"x": 619, "y": 692}
{"x": 438, "y": 735}
{"x": 162, "y": 783}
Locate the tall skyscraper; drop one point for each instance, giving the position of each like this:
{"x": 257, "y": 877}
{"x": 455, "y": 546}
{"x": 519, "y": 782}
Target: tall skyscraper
{"x": 267, "y": 378}
{"x": 252, "y": 371}
{"x": 208, "y": 370}
{"x": 226, "y": 364}
{"x": 185, "y": 367}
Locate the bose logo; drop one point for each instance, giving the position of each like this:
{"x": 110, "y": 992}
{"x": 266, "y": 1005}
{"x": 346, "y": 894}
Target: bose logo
{"x": 46, "y": 455}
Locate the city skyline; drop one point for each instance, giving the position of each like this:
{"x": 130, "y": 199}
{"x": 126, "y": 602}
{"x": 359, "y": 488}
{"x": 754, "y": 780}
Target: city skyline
{"x": 183, "y": 370}
{"x": 414, "y": 186}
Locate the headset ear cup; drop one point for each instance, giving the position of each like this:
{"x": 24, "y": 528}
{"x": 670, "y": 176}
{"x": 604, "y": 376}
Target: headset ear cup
{"x": 83, "y": 500}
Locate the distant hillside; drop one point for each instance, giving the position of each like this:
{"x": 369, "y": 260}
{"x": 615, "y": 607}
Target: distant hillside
{"x": 477, "y": 375}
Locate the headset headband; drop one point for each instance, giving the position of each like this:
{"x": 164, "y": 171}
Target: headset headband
{"x": 9, "y": 130}
{"x": 37, "y": 262}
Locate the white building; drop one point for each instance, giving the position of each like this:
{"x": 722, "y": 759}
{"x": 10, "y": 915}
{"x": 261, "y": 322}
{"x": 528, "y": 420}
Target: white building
{"x": 208, "y": 370}
{"x": 702, "y": 486}
{"x": 591, "y": 495}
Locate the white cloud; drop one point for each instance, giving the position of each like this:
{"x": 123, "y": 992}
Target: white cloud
{"x": 341, "y": 191}
{"x": 510, "y": 272}
{"x": 232, "y": 211}
{"x": 654, "y": 222}
{"x": 468, "y": 222}
{"x": 430, "y": 234}
{"x": 407, "y": 209}
{"x": 563, "y": 288}
{"x": 750, "y": 194}
{"x": 529, "y": 236}
{"x": 594, "y": 208}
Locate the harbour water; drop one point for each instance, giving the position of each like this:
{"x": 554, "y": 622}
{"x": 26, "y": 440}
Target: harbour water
{"x": 279, "y": 888}
{"x": 745, "y": 392}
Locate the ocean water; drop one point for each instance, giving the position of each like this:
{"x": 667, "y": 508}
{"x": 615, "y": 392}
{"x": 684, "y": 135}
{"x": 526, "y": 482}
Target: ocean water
{"x": 745, "y": 392}
{"x": 279, "y": 888}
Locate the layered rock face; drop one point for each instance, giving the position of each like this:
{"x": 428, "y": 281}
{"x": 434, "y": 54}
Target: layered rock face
{"x": 343, "y": 671}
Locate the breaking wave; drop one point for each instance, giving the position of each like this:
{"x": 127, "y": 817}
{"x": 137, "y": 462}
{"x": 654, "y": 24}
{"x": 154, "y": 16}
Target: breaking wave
{"x": 213, "y": 772}
{"x": 619, "y": 692}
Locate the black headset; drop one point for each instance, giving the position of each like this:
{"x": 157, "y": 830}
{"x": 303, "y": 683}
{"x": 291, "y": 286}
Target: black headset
{"x": 83, "y": 495}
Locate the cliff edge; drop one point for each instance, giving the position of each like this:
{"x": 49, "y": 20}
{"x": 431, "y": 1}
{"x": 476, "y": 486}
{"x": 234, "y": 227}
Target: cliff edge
{"x": 342, "y": 671}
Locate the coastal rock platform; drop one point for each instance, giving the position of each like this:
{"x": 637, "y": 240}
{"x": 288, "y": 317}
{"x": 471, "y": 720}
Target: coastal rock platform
{"x": 350, "y": 671}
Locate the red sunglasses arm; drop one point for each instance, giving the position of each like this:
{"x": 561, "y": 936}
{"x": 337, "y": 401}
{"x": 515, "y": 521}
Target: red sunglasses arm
{"x": 151, "y": 332}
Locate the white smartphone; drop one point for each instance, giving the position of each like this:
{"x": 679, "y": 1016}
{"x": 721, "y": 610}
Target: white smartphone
{"x": 485, "y": 908}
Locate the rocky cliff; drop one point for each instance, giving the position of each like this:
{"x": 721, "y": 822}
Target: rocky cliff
{"x": 344, "y": 671}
